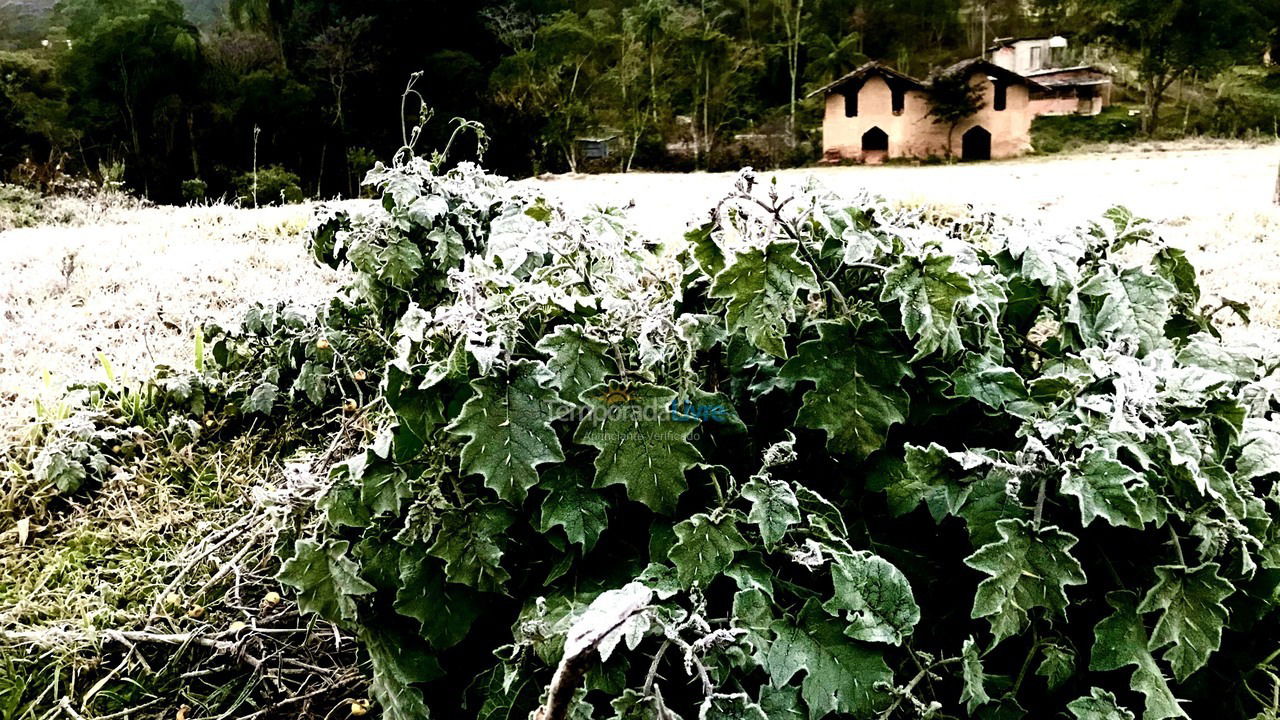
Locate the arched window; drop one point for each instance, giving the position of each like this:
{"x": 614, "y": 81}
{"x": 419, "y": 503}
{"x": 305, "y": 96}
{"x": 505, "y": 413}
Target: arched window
{"x": 899, "y": 100}
{"x": 1002, "y": 95}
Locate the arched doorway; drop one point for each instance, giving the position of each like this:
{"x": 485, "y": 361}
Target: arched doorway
{"x": 976, "y": 144}
{"x": 875, "y": 146}
{"x": 875, "y": 139}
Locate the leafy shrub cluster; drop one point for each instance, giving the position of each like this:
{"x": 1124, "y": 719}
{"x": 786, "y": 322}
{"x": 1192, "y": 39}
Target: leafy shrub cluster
{"x": 830, "y": 457}
{"x": 1058, "y": 133}
{"x": 270, "y": 185}
{"x": 826, "y": 457}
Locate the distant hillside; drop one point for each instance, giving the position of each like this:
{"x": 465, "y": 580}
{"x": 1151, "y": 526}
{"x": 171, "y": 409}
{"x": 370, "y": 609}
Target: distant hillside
{"x": 21, "y": 19}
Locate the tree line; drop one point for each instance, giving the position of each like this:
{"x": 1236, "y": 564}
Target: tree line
{"x": 182, "y": 100}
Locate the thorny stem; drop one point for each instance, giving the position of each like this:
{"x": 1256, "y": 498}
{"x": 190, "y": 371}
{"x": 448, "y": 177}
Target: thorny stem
{"x": 1176, "y": 542}
{"x": 1026, "y": 664}
{"x": 652, "y": 675}
{"x": 920, "y": 676}
{"x": 1040, "y": 497}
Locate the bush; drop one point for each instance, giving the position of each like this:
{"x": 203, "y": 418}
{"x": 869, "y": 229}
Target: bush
{"x": 834, "y": 457}
{"x": 275, "y": 186}
{"x": 19, "y": 207}
{"x": 194, "y": 190}
{"x": 1057, "y": 133}
{"x": 830, "y": 450}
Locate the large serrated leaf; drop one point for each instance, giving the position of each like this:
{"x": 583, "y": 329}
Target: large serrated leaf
{"x": 572, "y": 505}
{"x": 873, "y": 596}
{"x": 1120, "y": 640}
{"x": 577, "y": 362}
{"x": 642, "y": 446}
{"x": 1028, "y": 568}
{"x": 763, "y": 289}
{"x": 857, "y": 394}
{"x": 507, "y": 424}
{"x": 840, "y": 675}
{"x": 1103, "y": 488}
{"x": 327, "y": 580}
{"x": 928, "y": 292}
{"x": 774, "y": 507}
{"x": 1192, "y": 615}
{"x": 470, "y": 542}
{"x": 705, "y": 547}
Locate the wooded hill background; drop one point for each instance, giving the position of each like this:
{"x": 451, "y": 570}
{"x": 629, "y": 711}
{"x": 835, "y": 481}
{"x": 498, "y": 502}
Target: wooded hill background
{"x": 183, "y": 100}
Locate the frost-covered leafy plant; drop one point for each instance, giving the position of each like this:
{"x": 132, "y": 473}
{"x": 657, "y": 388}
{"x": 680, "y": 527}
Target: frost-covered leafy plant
{"x": 835, "y": 457}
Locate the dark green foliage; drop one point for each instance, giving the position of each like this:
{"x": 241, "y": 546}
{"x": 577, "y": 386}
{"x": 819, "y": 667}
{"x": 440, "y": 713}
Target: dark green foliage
{"x": 919, "y": 484}
{"x": 273, "y": 186}
{"x": 1058, "y": 133}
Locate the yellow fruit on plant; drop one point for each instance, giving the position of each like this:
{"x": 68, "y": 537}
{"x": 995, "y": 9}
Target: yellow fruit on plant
{"x": 359, "y": 375}
{"x": 196, "y": 612}
{"x": 173, "y": 599}
{"x": 349, "y": 405}
{"x": 322, "y": 344}
{"x": 358, "y": 708}
{"x": 236, "y": 626}
{"x": 271, "y": 598}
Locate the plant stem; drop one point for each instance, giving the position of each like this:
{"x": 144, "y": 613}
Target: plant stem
{"x": 920, "y": 676}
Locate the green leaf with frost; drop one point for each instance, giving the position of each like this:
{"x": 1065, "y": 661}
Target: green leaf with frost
{"x": 1057, "y": 664}
{"x": 857, "y": 394}
{"x": 383, "y": 487}
{"x": 445, "y": 612}
{"x": 326, "y": 579}
{"x": 1133, "y": 303}
{"x": 634, "y": 705}
{"x": 507, "y": 423}
{"x": 730, "y": 706}
{"x": 988, "y": 383}
{"x": 1028, "y": 568}
{"x": 401, "y": 261}
{"x": 706, "y": 252}
{"x": 928, "y": 293}
{"x": 573, "y": 505}
{"x": 840, "y": 674}
{"x": 577, "y": 361}
{"x": 1054, "y": 264}
{"x": 762, "y": 288}
{"x": 470, "y": 541}
{"x": 55, "y": 468}
{"x": 1102, "y": 486}
{"x": 973, "y": 693}
{"x": 781, "y": 703}
{"x": 397, "y": 665}
{"x": 705, "y": 547}
{"x": 774, "y": 507}
{"x": 1120, "y": 640}
{"x": 311, "y": 381}
{"x": 873, "y": 596}
{"x": 1260, "y": 449}
{"x": 262, "y": 399}
{"x": 930, "y": 474}
{"x": 641, "y": 446}
{"x": 1191, "y": 614}
{"x": 1098, "y": 705}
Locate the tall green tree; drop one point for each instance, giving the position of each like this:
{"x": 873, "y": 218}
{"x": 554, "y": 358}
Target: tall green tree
{"x": 1172, "y": 38}
{"x": 133, "y": 72}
